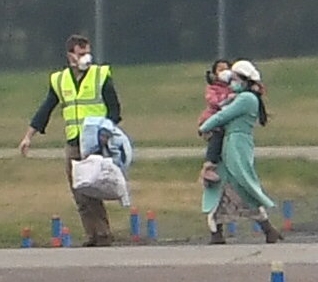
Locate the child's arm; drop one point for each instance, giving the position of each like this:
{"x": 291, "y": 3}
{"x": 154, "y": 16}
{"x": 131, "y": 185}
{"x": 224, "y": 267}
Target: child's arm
{"x": 211, "y": 98}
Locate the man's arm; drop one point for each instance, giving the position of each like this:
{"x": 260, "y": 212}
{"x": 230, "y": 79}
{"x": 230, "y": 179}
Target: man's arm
{"x": 42, "y": 116}
{"x": 39, "y": 120}
{"x": 111, "y": 101}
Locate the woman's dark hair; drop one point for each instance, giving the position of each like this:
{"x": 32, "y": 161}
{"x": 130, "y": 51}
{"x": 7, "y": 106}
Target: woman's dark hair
{"x": 263, "y": 116}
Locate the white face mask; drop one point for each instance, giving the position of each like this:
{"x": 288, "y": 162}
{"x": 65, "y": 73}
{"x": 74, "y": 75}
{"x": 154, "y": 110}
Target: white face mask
{"x": 84, "y": 62}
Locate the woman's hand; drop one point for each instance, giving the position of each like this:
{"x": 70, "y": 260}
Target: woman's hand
{"x": 231, "y": 96}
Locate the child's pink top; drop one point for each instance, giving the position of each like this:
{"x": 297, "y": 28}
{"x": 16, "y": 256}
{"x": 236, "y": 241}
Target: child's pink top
{"x": 214, "y": 94}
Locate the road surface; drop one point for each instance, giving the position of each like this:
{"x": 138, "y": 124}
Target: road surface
{"x": 235, "y": 263}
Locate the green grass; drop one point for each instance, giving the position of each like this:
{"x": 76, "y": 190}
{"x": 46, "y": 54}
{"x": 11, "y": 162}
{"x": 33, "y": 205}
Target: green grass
{"x": 33, "y": 190}
{"x": 161, "y": 103}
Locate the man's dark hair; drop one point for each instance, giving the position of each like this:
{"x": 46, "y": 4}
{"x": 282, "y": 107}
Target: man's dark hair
{"x": 74, "y": 40}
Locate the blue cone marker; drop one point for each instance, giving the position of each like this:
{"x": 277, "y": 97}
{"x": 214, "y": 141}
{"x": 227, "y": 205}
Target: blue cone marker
{"x": 26, "y": 238}
{"x": 277, "y": 274}
{"x": 151, "y": 225}
{"x": 66, "y": 237}
{"x": 288, "y": 212}
{"x": 56, "y": 226}
{"x": 134, "y": 224}
{"x": 256, "y": 228}
{"x": 231, "y": 228}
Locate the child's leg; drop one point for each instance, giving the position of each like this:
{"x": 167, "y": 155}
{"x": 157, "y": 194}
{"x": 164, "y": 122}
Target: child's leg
{"x": 214, "y": 148}
{"x": 213, "y": 155}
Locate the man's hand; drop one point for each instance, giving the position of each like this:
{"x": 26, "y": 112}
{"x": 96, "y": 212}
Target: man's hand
{"x": 25, "y": 145}
{"x": 26, "y": 141}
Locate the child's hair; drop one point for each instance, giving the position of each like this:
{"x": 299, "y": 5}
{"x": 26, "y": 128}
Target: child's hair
{"x": 219, "y": 61}
{"x": 208, "y": 76}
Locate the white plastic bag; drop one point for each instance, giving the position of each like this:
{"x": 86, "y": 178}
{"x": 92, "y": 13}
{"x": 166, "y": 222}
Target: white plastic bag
{"x": 100, "y": 178}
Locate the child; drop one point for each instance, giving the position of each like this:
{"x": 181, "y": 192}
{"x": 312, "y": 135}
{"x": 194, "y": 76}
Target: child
{"x": 114, "y": 142}
{"x": 101, "y": 136}
{"x": 217, "y": 94}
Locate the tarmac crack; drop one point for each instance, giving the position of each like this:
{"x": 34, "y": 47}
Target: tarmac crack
{"x": 241, "y": 258}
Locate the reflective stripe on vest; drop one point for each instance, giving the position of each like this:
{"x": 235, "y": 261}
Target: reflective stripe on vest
{"x": 87, "y": 101}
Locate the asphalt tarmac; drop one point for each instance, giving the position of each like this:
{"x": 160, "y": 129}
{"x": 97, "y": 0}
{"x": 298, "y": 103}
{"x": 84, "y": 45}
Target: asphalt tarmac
{"x": 235, "y": 263}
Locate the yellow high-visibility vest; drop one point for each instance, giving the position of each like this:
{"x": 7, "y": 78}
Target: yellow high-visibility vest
{"x": 86, "y": 102}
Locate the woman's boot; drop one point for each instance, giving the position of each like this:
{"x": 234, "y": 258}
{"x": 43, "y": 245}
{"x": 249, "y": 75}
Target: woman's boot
{"x": 217, "y": 237}
{"x": 272, "y": 235}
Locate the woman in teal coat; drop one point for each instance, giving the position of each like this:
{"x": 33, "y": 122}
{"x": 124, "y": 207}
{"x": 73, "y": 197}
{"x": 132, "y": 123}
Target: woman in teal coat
{"x": 239, "y": 193}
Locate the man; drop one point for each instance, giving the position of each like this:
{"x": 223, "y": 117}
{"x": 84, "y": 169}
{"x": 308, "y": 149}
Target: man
{"x": 82, "y": 89}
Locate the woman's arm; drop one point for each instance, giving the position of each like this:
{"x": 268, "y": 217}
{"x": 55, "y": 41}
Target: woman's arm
{"x": 242, "y": 104}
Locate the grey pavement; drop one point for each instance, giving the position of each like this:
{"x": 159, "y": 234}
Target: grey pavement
{"x": 248, "y": 263}
{"x": 306, "y": 152}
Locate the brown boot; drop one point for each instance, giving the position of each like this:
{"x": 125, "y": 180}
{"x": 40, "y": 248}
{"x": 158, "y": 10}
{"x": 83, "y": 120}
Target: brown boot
{"x": 91, "y": 242}
{"x": 272, "y": 235}
{"x": 104, "y": 241}
{"x": 217, "y": 237}
{"x": 208, "y": 172}
{"x": 99, "y": 241}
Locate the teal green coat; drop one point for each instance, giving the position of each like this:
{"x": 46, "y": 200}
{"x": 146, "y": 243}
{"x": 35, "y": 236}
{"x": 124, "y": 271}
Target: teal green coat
{"x": 237, "y": 165}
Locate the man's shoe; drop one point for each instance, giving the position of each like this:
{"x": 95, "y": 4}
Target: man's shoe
{"x": 104, "y": 241}
{"x": 89, "y": 243}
